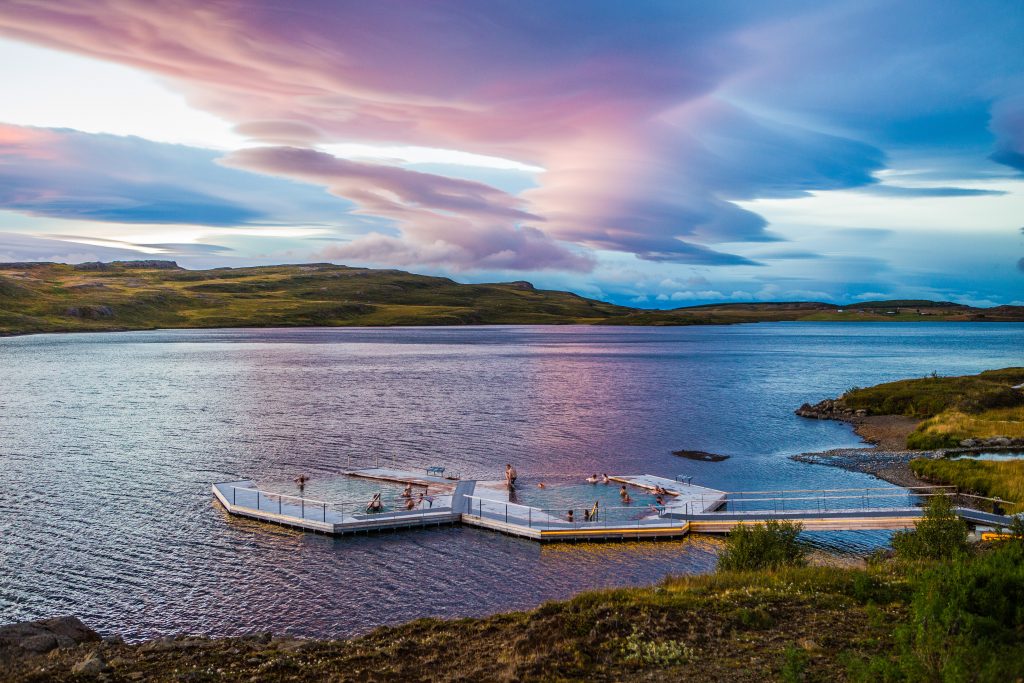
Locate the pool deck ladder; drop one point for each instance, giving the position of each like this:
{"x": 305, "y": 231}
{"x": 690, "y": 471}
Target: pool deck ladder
{"x": 688, "y": 508}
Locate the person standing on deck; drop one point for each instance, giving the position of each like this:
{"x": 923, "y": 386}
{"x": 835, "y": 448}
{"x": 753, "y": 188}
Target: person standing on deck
{"x": 510, "y": 475}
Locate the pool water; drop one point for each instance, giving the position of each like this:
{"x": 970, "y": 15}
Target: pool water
{"x": 558, "y": 499}
{"x": 350, "y": 494}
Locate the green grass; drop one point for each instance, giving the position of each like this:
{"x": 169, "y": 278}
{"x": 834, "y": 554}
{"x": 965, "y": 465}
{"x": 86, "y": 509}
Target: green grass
{"x": 60, "y": 298}
{"x": 952, "y": 408}
{"x": 982, "y": 477}
{"x": 928, "y": 396}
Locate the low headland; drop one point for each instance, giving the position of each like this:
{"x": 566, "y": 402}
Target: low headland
{"x": 917, "y": 425}
{"x": 141, "y": 295}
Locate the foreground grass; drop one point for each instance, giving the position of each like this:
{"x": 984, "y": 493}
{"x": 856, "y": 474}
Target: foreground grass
{"x": 982, "y": 477}
{"x": 810, "y": 623}
{"x": 147, "y": 295}
{"x": 939, "y": 610}
{"x": 956, "y": 619}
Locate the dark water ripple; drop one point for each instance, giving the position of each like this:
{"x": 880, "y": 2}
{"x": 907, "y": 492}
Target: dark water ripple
{"x": 108, "y": 445}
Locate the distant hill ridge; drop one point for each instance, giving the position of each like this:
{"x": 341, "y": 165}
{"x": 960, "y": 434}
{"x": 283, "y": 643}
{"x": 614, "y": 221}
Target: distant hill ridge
{"x": 147, "y": 294}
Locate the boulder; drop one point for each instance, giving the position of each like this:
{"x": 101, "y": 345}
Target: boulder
{"x": 45, "y": 635}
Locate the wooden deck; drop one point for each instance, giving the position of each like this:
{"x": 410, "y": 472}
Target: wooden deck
{"x": 485, "y": 504}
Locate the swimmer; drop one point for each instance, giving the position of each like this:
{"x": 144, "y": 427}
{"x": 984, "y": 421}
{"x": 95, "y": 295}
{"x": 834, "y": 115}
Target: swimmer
{"x": 593, "y": 479}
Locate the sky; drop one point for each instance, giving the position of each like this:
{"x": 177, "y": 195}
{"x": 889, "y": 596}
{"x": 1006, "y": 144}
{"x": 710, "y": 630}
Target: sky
{"x": 649, "y": 153}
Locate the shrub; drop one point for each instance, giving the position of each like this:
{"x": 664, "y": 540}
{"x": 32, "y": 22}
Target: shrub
{"x": 939, "y": 535}
{"x": 967, "y": 619}
{"x": 770, "y": 545}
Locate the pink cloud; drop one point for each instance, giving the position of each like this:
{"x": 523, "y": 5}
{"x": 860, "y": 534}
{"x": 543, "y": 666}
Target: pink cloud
{"x": 627, "y": 106}
{"x": 444, "y": 221}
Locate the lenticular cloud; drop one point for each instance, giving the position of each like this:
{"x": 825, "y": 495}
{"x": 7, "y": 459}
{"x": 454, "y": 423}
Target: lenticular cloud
{"x": 650, "y": 119}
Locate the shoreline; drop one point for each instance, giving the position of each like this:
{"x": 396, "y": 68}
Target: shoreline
{"x": 718, "y": 323}
{"x": 886, "y": 457}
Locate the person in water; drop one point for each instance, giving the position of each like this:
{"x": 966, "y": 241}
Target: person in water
{"x": 623, "y": 492}
{"x": 605, "y": 479}
{"x": 570, "y": 515}
{"x": 376, "y": 505}
{"x": 541, "y": 485}
{"x": 407, "y": 492}
{"x": 593, "y": 479}
{"x": 410, "y": 503}
{"x": 510, "y": 475}
{"x": 301, "y": 481}
{"x": 626, "y": 499}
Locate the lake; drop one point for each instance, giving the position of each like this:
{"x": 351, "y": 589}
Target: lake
{"x": 109, "y": 444}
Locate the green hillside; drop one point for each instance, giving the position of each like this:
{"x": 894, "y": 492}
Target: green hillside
{"x": 50, "y": 297}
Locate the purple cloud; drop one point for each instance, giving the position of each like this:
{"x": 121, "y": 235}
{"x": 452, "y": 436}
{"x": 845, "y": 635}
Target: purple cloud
{"x": 651, "y": 119}
{"x": 445, "y": 221}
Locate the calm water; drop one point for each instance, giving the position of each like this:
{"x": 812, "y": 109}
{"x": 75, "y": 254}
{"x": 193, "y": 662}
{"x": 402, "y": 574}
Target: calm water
{"x": 108, "y": 445}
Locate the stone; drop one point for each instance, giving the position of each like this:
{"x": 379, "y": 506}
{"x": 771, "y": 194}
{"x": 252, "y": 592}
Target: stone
{"x": 90, "y": 666}
{"x": 1000, "y": 441}
{"x": 43, "y": 642}
{"x": 968, "y": 443}
{"x": 47, "y": 634}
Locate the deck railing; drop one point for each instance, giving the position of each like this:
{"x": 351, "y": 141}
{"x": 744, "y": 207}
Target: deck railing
{"x": 618, "y": 517}
{"x": 324, "y": 511}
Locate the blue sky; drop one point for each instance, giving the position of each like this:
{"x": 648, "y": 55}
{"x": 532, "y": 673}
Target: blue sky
{"x": 657, "y": 154}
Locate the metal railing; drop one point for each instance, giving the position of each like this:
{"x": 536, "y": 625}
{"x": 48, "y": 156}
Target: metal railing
{"x": 325, "y": 511}
{"x": 619, "y": 517}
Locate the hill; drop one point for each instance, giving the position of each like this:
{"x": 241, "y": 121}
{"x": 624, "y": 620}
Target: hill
{"x": 53, "y": 297}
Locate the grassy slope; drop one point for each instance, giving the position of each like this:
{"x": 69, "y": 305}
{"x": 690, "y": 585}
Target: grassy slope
{"x": 953, "y": 408}
{"x": 983, "y": 477}
{"x": 809, "y": 622}
{"x": 56, "y": 298}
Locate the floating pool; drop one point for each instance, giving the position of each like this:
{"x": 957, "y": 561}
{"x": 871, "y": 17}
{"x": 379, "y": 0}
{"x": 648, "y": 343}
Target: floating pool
{"x": 558, "y": 499}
